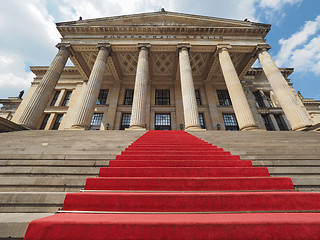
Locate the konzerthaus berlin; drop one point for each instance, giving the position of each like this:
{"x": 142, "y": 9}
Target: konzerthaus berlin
{"x": 164, "y": 70}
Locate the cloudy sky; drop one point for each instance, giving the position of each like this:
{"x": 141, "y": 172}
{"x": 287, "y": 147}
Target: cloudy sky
{"x": 28, "y": 33}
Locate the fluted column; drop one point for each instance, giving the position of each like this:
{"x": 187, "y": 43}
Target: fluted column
{"x": 91, "y": 93}
{"x": 297, "y": 116}
{"x": 190, "y": 108}
{"x": 239, "y": 101}
{"x": 138, "y": 114}
{"x": 39, "y": 100}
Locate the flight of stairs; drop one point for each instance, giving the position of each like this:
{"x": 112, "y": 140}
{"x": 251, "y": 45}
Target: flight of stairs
{"x": 38, "y": 168}
{"x": 172, "y": 185}
{"x": 285, "y": 153}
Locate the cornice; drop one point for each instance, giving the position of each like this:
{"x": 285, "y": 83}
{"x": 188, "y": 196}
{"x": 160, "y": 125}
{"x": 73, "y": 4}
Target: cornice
{"x": 163, "y": 13}
{"x": 159, "y": 30}
{"x": 42, "y": 69}
{"x": 259, "y": 71}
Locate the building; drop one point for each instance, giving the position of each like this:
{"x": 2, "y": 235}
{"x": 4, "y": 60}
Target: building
{"x": 164, "y": 70}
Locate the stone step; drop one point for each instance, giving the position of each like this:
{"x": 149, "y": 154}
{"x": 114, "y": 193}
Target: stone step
{"x": 33, "y": 202}
{"x": 42, "y": 183}
{"x": 54, "y": 162}
{"x": 14, "y": 225}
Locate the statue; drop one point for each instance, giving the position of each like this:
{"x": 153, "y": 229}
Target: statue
{"x": 21, "y": 94}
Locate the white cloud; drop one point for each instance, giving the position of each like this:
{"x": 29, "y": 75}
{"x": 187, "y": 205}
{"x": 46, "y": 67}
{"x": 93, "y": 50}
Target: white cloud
{"x": 13, "y": 77}
{"x": 302, "y": 49}
{"x": 277, "y": 4}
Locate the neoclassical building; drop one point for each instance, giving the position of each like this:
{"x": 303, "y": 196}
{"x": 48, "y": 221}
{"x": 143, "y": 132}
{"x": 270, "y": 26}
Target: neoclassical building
{"x": 164, "y": 70}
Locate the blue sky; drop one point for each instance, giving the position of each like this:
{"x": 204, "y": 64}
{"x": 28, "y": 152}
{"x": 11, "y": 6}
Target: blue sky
{"x": 28, "y": 33}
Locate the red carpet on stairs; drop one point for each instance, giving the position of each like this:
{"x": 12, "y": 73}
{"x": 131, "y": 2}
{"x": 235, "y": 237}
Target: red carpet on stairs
{"x": 172, "y": 185}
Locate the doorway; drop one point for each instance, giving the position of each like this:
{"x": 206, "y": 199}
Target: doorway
{"x": 162, "y": 121}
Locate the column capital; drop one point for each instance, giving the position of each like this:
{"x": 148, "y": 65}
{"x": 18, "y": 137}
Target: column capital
{"x": 63, "y": 46}
{"x": 223, "y": 47}
{"x": 106, "y": 46}
{"x": 141, "y": 46}
{"x": 185, "y": 46}
{"x": 262, "y": 47}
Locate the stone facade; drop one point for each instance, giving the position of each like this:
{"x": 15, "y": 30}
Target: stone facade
{"x": 164, "y": 70}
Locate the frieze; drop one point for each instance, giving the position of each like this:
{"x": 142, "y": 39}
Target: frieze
{"x": 160, "y": 37}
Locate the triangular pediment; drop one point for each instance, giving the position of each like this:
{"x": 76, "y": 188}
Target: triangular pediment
{"x": 163, "y": 19}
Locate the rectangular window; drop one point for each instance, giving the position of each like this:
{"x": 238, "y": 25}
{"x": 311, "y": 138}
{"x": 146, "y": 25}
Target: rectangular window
{"x": 281, "y": 123}
{"x": 44, "y": 122}
{"x": 55, "y": 98}
{"x": 162, "y": 121}
{"x": 258, "y": 98}
{"x": 125, "y": 121}
{"x": 267, "y": 122}
{"x": 224, "y": 98}
{"x": 102, "y": 98}
{"x": 162, "y": 97}
{"x": 201, "y": 119}
{"x": 198, "y": 98}
{"x": 267, "y": 94}
{"x": 57, "y": 122}
{"x": 230, "y": 122}
{"x": 128, "y": 97}
{"x": 66, "y": 98}
{"x": 96, "y": 121}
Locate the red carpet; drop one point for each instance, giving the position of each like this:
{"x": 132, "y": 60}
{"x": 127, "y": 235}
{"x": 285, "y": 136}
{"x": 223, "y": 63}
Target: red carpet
{"x": 172, "y": 185}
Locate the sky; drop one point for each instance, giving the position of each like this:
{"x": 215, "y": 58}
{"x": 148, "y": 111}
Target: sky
{"x": 28, "y": 32}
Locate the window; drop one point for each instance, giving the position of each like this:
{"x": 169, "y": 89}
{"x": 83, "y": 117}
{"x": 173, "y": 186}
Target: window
{"x": 125, "y": 121}
{"x": 267, "y": 122}
{"x": 55, "y": 98}
{"x": 198, "y": 98}
{"x": 281, "y": 123}
{"x": 128, "y": 97}
{"x": 224, "y": 98}
{"x": 96, "y": 121}
{"x": 258, "y": 98}
{"x": 162, "y": 97}
{"x": 44, "y": 122}
{"x": 57, "y": 122}
{"x": 230, "y": 122}
{"x": 102, "y": 98}
{"x": 66, "y": 98}
{"x": 267, "y": 94}
{"x": 201, "y": 119}
{"x": 162, "y": 121}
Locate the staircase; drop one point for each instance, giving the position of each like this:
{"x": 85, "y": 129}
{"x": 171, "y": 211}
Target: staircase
{"x": 286, "y": 154}
{"x": 38, "y": 168}
{"x": 172, "y": 185}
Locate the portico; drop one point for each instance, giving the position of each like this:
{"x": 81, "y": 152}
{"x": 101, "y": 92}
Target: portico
{"x": 179, "y": 65}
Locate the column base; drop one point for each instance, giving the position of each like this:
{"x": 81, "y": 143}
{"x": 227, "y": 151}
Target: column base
{"x": 194, "y": 128}
{"x": 251, "y": 128}
{"x": 139, "y": 128}
{"x": 79, "y": 127}
{"x": 301, "y": 128}
{"x": 25, "y": 126}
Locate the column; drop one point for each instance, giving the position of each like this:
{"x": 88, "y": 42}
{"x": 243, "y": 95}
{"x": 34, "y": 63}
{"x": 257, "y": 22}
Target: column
{"x": 190, "y": 108}
{"x": 239, "y": 101}
{"x": 89, "y": 98}
{"x": 140, "y": 90}
{"x": 297, "y": 116}
{"x": 39, "y": 100}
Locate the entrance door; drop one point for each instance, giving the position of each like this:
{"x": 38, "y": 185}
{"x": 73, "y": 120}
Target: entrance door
{"x": 162, "y": 121}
